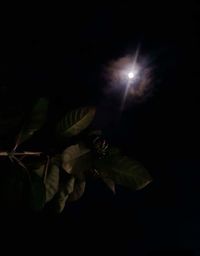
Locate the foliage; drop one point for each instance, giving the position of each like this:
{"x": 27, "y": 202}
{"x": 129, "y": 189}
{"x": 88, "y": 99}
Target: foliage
{"x": 61, "y": 177}
{"x": 122, "y": 170}
{"x": 75, "y": 121}
{"x": 35, "y": 121}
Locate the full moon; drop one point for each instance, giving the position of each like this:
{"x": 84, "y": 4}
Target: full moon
{"x": 130, "y": 75}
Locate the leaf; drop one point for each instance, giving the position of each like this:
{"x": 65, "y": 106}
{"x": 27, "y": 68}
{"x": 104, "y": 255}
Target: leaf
{"x": 64, "y": 192}
{"x": 123, "y": 170}
{"x": 75, "y": 121}
{"x": 34, "y": 122}
{"x": 37, "y": 198}
{"x": 78, "y": 191}
{"x": 76, "y": 160}
{"x": 52, "y": 182}
{"x": 72, "y": 157}
{"x": 110, "y": 184}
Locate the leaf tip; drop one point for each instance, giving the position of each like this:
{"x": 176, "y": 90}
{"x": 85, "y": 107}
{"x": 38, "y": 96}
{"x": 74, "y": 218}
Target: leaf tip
{"x": 145, "y": 184}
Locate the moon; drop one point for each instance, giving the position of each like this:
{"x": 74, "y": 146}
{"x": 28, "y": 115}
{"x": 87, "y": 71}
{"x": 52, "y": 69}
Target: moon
{"x": 130, "y": 75}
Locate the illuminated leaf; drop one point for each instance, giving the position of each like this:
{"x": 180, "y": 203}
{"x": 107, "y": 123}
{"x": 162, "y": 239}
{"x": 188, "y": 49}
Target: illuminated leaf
{"x": 66, "y": 188}
{"x": 76, "y": 159}
{"x": 123, "y": 170}
{"x": 75, "y": 121}
{"x": 52, "y": 182}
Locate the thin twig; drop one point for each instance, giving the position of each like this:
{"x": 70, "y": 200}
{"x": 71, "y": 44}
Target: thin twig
{"x": 4, "y": 153}
{"x": 25, "y": 153}
{"x": 22, "y": 165}
{"x": 19, "y": 162}
{"x": 11, "y": 159}
{"x": 46, "y": 168}
{"x": 15, "y": 147}
{"x": 13, "y": 156}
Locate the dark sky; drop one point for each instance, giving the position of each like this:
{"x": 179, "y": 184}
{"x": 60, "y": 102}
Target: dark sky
{"x": 62, "y": 56}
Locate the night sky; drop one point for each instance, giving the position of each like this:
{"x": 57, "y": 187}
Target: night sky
{"x": 62, "y": 57}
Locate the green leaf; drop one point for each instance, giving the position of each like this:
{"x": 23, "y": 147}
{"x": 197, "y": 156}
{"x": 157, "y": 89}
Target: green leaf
{"x": 75, "y": 121}
{"x": 78, "y": 191}
{"x": 66, "y": 188}
{"x": 37, "y": 199}
{"x": 34, "y": 122}
{"x": 76, "y": 160}
{"x": 52, "y": 182}
{"x": 123, "y": 170}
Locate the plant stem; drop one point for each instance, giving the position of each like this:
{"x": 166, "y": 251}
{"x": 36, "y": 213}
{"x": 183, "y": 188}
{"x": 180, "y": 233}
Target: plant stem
{"x": 4, "y": 153}
{"x": 25, "y": 153}
{"x": 46, "y": 168}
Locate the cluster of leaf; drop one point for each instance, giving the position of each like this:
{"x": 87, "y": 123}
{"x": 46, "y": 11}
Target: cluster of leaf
{"x": 61, "y": 178}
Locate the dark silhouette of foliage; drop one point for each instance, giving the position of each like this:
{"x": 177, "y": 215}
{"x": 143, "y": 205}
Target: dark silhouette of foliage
{"x": 61, "y": 177}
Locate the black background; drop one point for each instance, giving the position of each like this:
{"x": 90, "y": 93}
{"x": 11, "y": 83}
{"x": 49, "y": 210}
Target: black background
{"x": 60, "y": 53}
